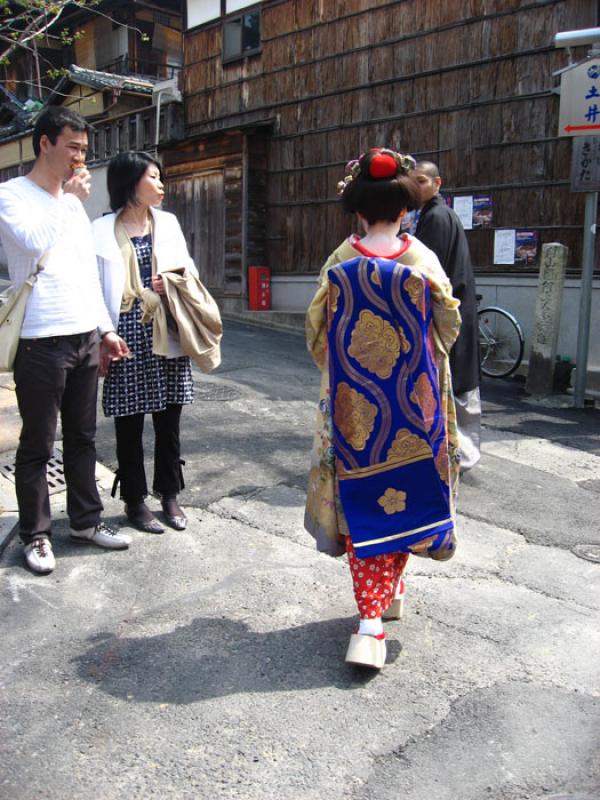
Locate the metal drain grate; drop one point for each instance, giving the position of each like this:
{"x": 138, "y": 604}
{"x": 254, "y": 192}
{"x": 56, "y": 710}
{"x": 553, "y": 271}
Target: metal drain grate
{"x": 55, "y": 473}
{"x": 216, "y": 392}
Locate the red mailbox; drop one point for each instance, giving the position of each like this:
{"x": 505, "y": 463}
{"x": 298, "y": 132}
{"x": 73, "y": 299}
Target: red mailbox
{"x": 259, "y": 288}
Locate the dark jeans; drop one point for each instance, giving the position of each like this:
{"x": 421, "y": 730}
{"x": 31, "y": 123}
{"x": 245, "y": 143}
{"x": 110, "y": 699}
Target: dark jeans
{"x": 52, "y": 375}
{"x": 130, "y": 454}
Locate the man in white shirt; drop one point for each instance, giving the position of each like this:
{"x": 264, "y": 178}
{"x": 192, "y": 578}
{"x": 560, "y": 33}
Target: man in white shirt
{"x": 42, "y": 219}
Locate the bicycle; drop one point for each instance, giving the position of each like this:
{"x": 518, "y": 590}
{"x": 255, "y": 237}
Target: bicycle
{"x": 501, "y": 341}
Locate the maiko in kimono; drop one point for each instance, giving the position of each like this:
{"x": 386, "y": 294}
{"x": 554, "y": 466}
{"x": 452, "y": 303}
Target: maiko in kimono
{"x": 384, "y": 469}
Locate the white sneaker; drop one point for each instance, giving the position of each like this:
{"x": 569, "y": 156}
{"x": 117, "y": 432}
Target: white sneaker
{"x": 103, "y": 536}
{"x": 39, "y": 555}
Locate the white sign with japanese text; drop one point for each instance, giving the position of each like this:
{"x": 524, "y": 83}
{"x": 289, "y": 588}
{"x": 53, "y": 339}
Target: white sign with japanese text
{"x": 504, "y": 246}
{"x": 580, "y": 100}
{"x": 463, "y": 206}
{"x": 585, "y": 166}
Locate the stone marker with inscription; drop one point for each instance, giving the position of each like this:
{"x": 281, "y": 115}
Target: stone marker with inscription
{"x": 547, "y": 319}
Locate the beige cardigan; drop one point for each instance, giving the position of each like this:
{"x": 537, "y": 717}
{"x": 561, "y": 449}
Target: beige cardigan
{"x": 197, "y": 316}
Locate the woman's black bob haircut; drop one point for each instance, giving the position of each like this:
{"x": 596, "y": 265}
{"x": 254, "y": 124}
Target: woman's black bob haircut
{"x": 379, "y": 199}
{"x": 124, "y": 172}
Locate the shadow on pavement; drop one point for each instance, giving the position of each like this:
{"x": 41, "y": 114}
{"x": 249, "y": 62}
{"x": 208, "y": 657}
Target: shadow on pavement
{"x": 507, "y": 406}
{"x": 214, "y": 657}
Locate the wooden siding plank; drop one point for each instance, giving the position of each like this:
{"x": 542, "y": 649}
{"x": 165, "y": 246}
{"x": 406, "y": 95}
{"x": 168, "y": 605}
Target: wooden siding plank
{"x": 465, "y": 82}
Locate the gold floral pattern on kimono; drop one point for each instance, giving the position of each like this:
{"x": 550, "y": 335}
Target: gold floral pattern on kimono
{"x": 333, "y": 305}
{"x": 443, "y": 553}
{"x": 354, "y": 416}
{"x": 393, "y": 501}
{"x": 324, "y": 516}
{"x": 420, "y": 548}
{"x": 408, "y": 447}
{"x": 375, "y": 344}
{"x": 317, "y": 476}
{"x": 441, "y": 463}
{"x": 376, "y": 277}
{"x": 414, "y": 286}
{"x": 422, "y": 395}
{"x": 404, "y": 343}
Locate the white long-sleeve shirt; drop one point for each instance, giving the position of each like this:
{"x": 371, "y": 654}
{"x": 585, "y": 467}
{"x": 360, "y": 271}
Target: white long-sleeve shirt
{"x": 66, "y": 298}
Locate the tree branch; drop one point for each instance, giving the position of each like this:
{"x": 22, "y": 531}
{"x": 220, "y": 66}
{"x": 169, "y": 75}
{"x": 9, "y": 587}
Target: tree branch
{"x": 31, "y": 31}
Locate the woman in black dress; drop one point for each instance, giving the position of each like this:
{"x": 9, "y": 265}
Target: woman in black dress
{"x": 132, "y": 244}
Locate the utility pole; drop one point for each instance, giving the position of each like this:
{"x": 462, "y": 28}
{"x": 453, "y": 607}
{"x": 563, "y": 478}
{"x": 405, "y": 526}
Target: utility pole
{"x": 580, "y": 116}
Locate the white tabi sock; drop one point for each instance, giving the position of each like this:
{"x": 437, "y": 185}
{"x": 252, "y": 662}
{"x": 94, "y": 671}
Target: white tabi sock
{"x": 371, "y": 627}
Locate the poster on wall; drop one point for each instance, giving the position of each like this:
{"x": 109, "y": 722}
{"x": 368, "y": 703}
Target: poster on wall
{"x": 526, "y": 248}
{"x": 482, "y": 211}
{"x": 463, "y": 206}
{"x": 504, "y": 246}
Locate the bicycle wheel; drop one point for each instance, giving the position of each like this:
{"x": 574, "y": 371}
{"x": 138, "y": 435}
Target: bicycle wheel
{"x": 500, "y": 342}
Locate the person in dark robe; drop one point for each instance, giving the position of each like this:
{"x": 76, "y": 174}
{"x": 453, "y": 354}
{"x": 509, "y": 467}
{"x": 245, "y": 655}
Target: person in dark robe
{"x": 441, "y": 230}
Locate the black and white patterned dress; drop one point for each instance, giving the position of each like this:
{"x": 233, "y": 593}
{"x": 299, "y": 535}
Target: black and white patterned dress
{"x": 145, "y": 383}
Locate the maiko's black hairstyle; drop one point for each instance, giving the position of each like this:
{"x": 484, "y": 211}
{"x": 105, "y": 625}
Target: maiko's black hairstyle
{"x": 51, "y": 122}
{"x": 124, "y": 172}
{"x": 377, "y": 197}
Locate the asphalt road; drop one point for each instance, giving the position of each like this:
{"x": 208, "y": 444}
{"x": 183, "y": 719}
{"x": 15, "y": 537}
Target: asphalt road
{"x": 209, "y": 663}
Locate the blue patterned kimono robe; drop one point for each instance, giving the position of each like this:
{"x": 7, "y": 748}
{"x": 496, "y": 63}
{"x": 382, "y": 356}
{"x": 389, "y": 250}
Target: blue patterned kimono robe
{"x": 384, "y": 464}
{"x": 389, "y": 432}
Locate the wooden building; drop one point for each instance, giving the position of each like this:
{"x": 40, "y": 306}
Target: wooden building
{"x": 109, "y": 73}
{"x": 280, "y": 94}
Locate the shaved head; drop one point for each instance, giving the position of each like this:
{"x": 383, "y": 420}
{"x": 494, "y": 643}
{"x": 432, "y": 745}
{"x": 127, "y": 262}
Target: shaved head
{"x": 427, "y": 175}
{"x": 428, "y": 168}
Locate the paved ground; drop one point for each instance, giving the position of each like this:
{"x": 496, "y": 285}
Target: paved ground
{"x": 209, "y": 663}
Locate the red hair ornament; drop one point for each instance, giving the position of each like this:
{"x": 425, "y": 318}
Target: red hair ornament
{"x": 383, "y": 165}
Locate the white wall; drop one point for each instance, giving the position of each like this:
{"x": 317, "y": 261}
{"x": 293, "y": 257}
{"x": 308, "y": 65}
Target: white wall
{"x": 97, "y": 203}
{"x": 518, "y": 294}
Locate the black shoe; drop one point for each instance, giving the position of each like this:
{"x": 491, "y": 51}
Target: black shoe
{"x": 173, "y": 513}
{"x": 142, "y": 518}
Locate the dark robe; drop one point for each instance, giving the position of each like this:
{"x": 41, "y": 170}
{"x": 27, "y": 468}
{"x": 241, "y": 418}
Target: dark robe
{"x": 441, "y": 230}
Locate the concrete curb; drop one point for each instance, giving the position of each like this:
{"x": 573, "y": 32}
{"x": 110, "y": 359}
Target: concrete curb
{"x": 286, "y": 321}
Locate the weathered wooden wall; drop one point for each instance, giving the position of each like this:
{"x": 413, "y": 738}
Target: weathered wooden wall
{"x": 256, "y": 200}
{"x": 465, "y": 83}
{"x": 203, "y": 189}
{"x": 216, "y": 187}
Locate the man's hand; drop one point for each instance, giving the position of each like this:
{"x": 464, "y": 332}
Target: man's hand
{"x": 79, "y": 184}
{"x": 159, "y": 285}
{"x": 112, "y": 348}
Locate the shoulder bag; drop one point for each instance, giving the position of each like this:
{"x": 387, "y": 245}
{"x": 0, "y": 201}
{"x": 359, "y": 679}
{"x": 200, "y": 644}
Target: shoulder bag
{"x": 12, "y": 314}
